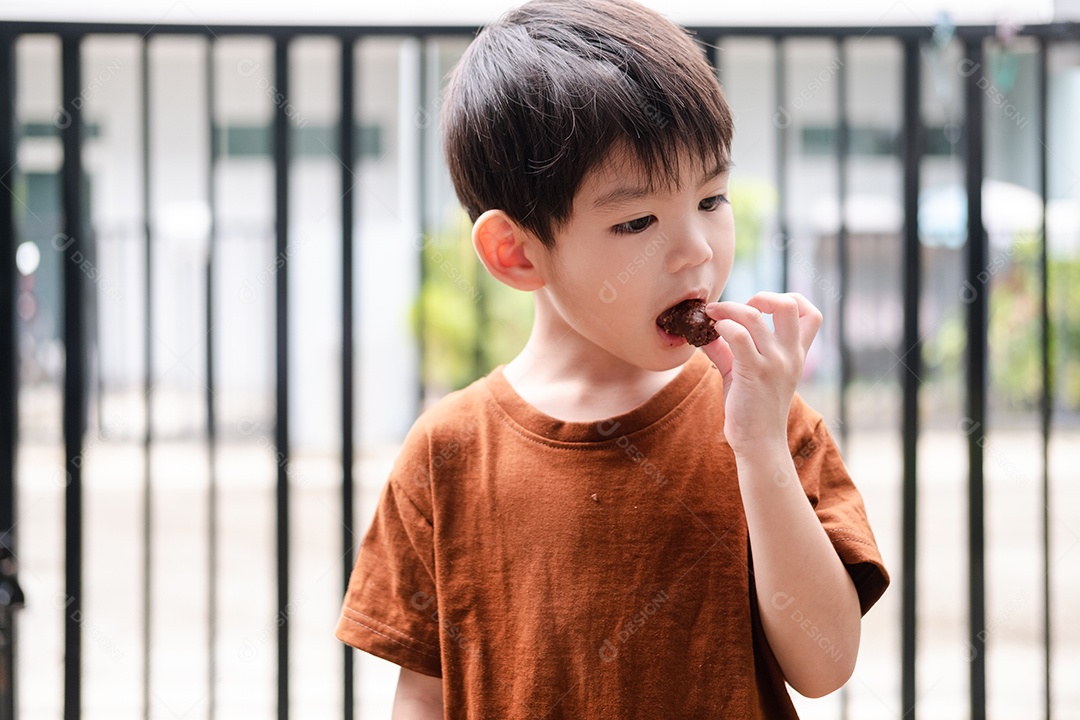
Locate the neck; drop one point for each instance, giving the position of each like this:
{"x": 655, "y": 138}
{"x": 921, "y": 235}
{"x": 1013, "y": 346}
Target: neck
{"x": 568, "y": 377}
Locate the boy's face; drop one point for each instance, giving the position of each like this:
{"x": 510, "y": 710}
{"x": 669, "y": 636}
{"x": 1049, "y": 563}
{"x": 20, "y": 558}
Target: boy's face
{"x": 628, "y": 253}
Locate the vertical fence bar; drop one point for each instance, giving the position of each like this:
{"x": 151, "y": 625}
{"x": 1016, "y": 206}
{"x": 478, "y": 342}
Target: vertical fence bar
{"x": 74, "y": 412}
{"x": 977, "y": 322}
{"x": 912, "y": 349}
{"x": 346, "y": 125}
{"x": 211, "y": 414}
{"x": 421, "y": 201}
{"x": 782, "y": 119}
{"x": 1046, "y": 399}
{"x": 281, "y": 430}
{"x": 9, "y": 281}
{"x": 11, "y": 598}
{"x": 148, "y": 380}
{"x": 843, "y": 141}
{"x": 843, "y": 135}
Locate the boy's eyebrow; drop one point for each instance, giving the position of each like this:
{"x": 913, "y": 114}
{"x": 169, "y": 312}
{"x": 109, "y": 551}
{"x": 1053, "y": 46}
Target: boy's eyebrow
{"x": 620, "y": 195}
{"x": 629, "y": 193}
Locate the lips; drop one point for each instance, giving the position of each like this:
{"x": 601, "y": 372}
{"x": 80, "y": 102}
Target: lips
{"x": 689, "y": 321}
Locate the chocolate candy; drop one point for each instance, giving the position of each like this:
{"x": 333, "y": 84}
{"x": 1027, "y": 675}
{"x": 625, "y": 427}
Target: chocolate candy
{"x": 689, "y": 321}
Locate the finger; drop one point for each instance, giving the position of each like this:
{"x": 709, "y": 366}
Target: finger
{"x": 809, "y": 320}
{"x": 785, "y": 314}
{"x": 720, "y": 353}
{"x": 739, "y": 341}
{"x": 750, "y": 318}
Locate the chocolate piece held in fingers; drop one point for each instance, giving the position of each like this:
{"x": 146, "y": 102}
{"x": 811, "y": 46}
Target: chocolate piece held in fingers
{"x": 689, "y": 321}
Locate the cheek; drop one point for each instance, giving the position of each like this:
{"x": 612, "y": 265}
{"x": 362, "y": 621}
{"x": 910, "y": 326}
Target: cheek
{"x": 583, "y": 288}
{"x": 724, "y": 249}
{"x": 726, "y": 255}
{"x": 590, "y": 276}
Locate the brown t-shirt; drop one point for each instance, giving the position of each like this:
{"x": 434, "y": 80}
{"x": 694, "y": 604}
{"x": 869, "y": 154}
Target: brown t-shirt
{"x": 550, "y": 569}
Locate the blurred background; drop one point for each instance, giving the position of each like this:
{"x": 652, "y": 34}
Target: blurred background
{"x": 236, "y": 272}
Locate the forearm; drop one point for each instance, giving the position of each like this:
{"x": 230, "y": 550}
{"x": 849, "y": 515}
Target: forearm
{"x": 418, "y": 697}
{"x": 808, "y": 604}
{"x": 415, "y": 709}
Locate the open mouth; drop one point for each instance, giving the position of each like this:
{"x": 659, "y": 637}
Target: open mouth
{"x": 688, "y": 321}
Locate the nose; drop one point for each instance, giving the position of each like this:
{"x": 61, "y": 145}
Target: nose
{"x": 689, "y": 248}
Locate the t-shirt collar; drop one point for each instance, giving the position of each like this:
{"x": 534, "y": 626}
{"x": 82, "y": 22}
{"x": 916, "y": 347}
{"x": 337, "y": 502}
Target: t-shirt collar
{"x": 536, "y": 423}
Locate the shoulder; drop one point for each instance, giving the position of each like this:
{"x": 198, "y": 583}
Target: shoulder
{"x": 446, "y": 447}
{"x": 450, "y": 425}
{"x": 455, "y": 414}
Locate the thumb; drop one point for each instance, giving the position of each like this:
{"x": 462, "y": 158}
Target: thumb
{"x": 720, "y": 353}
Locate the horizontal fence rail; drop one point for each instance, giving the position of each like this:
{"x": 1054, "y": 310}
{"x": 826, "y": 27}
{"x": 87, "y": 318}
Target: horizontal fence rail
{"x": 78, "y": 314}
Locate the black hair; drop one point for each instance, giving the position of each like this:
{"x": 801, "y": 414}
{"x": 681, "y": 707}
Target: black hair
{"x": 544, "y": 94}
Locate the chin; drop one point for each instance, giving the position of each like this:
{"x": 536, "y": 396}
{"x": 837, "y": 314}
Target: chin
{"x": 671, "y": 358}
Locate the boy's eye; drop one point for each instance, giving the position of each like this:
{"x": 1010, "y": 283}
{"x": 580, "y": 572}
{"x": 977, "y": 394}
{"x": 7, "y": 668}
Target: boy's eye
{"x": 712, "y": 203}
{"x": 634, "y": 226}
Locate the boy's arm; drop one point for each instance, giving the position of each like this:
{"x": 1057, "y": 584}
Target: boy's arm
{"x": 808, "y": 604}
{"x": 418, "y": 697}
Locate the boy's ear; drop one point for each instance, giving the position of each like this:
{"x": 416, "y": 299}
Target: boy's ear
{"x": 501, "y": 244}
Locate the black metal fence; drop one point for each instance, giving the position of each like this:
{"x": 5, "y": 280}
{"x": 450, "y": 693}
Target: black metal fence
{"x": 912, "y": 41}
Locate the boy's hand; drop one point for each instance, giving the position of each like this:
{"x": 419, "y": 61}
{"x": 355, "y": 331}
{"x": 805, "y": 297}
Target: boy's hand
{"x": 793, "y": 556}
{"x": 760, "y": 367}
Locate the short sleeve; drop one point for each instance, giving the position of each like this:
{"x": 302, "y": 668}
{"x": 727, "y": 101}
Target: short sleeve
{"x": 837, "y": 502}
{"x": 390, "y": 608}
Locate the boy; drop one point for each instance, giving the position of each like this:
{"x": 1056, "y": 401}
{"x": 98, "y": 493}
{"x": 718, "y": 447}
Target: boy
{"x": 606, "y": 526}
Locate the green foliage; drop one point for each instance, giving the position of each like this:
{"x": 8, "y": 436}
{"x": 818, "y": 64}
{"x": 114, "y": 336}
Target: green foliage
{"x": 509, "y": 317}
{"x": 752, "y": 201}
{"x": 1064, "y": 280}
{"x": 471, "y": 323}
{"x": 1015, "y": 330}
{"x": 1015, "y": 335}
